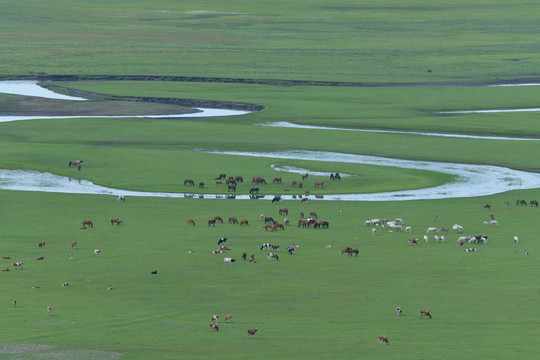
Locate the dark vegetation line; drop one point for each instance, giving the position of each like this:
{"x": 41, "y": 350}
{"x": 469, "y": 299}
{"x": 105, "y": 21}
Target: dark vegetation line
{"x": 275, "y": 82}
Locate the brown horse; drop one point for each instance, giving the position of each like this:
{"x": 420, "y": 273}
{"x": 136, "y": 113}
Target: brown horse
{"x": 233, "y": 220}
{"x": 239, "y": 179}
{"x": 534, "y": 203}
{"x": 201, "y": 184}
{"x": 88, "y": 222}
{"x": 319, "y": 184}
{"x": 305, "y": 176}
{"x": 189, "y": 182}
{"x": 212, "y": 222}
{"x": 521, "y": 202}
{"x": 116, "y": 221}
{"x": 278, "y": 226}
{"x": 304, "y": 200}
{"x": 487, "y": 206}
{"x": 313, "y": 214}
{"x": 283, "y": 211}
{"x": 350, "y": 251}
{"x": 244, "y": 222}
{"x": 218, "y": 218}
{"x": 277, "y": 180}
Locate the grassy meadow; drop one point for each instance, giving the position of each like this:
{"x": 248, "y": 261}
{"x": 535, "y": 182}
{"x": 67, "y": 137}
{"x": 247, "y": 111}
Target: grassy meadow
{"x": 317, "y": 303}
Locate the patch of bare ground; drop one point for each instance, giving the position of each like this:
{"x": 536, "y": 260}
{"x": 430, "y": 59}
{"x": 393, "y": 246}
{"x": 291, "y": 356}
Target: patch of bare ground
{"x": 14, "y": 348}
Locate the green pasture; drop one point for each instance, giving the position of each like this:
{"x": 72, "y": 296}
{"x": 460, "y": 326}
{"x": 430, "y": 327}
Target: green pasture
{"x": 313, "y": 304}
{"x": 317, "y": 303}
{"x": 359, "y": 41}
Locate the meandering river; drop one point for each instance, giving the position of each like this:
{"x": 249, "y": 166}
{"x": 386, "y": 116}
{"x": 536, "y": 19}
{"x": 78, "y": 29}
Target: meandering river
{"x": 471, "y": 180}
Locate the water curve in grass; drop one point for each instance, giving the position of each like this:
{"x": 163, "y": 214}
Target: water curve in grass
{"x": 285, "y": 124}
{"x": 471, "y": 180}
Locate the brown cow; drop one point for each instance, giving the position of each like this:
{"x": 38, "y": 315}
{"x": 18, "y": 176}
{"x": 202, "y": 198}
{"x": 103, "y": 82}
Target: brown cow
{"x": 214, "y": 326}
{"x": 383, "y": 340}
{"x": 425, "y": 313}
{"x": 74, "y": 244}
{"x": 41, "y": 244}
{"x": 413, "y": 241}
{"x": 251, "y": 332}
{"x": 228, "y": 318}
{"x": 191, "y": 221}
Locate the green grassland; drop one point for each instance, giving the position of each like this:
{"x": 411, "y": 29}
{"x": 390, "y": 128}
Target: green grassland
{"x": 317, "y": 303}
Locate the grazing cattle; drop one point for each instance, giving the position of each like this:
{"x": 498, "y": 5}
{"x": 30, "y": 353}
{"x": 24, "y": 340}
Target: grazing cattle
{"x": 470, "y": 250}
{"x": 224, "y": 248}
{"x": 313, "y": 214}
{"x": 41, "y": 244}
{"x": 442, "y": 230}
{"x": 40, "y": 258}
{"x": 214, "y": 319}
{"x": 251, "y": 332}
{"x": 223, "y": 240}
{"x": 350, "y": 251}
{"x": 319, "y": 184}
{"x": 425, "y": 313}
{"x": 266, "y": 246}
{"x": 110, "y": 287}
{"x": 212, "y": 222}
{"x": 228, "y": 260}
{"x": 436, "y": 238}
{"x": 253, "y": 190}
{"x": 442, "y": 238}
{"x": 214, "y": 326}
{"x": 6, "y": 257}
{"x": 88, "y": 222}
{"x": 373, "y": 231}
{"x": 413, "y": 241}
{"x": 303, "y": 200}
{"x": 534, "y": 203}
{"x": 231, "y": 187}
{"x": 49, "y": 309}
{"x": 487, "y": 206}
{"x": 399, "y": 311}
{"x": 521, "y": 202}
{"x": 233, "y": 220}
{"x": 272, "y": 255}
{"x": 119, "y": 221}
{"x": 431, "y": 229}
{"x": 17, "y": 264}
{"x": 283, "y": 211}
{"x": 120, "y": 198}
{"x": 492, "y": 222}
{"x": 277, "y": 180}
{"x": 189, "y": 182}
{"x": 65, "y": 284}
{"x": 201, "y": 184}
{"x": 70, "y": 257}
{"x": 191, "y": 222}
{"x": 305, "y": 176}
{"x": 96, "y": 252}
{"x": 383, "y": 340}
{"x": 244, "y": 222}
{"x": 276, "y": 199}
{"x": 516, "y": 240}
{"x": 228, "y": 318}
{"x": 457, "y": 228}
{"x": 153, "y": 272}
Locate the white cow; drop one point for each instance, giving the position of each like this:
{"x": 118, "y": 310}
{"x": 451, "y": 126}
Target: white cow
{"x": 408, "y": 229}
{"x": 516, "y": 240}
{"x": 457, "y": 228}
{"x": 96, "y": 252}
{"x": 228, "y": 260}
{"x": 374, "y": 231}
{"x": 426, "y": 238}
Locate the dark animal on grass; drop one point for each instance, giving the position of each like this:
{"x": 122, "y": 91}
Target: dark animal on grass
{"x": 223, "y": 240}
{"x": 41, "y": 244}
{"x": 304, "y": 200}
{"x": 521, "y": 202}
{"x": 277, "y": 180}
{"x": 239, "y": 179}
{"x": 276, "y": 199}
{"x": 305, "y": 176}
{"x": 319, "y": 184}
{"x": 218, "y": 218}
{"x": 231, "y": 187}
{"x": 233, "y": 220}
{"x": 189, "y": 182}
{"x": 201, "y": 184}
{"x": 251, "y": 332}
{"x": 191, "y": 222}
{"x": 244, "y": 222}
{"x": 283, "y": 211}
{"x": 313, "y": 214}
{"x": 253, "y": 190}
{"x": 424, "y": 313}
{"x": 214, "y": 326}
{"x": 212, "y": 222}
{"x": 119, "y": 221}
{"x": 534, "y": 203}
{"x": 269, "y": 219}
{"x": 383, "y": 340}
{"x": 87, "y": 222}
